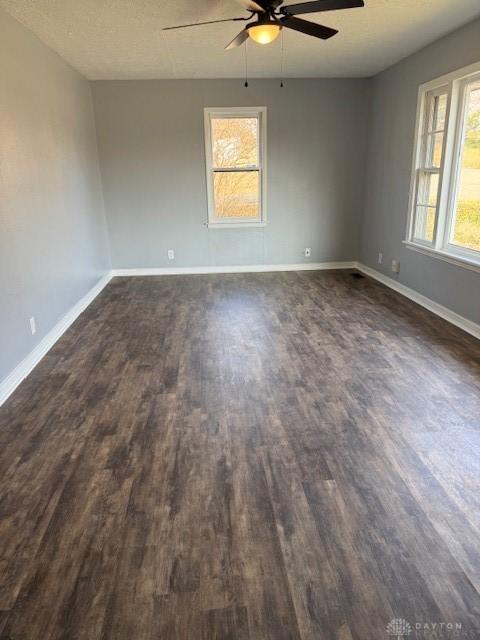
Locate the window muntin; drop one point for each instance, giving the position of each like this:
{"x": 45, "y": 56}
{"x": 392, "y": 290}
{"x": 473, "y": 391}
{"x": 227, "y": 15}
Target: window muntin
{"x": 445, "y": 202}
{"x": 235, "y": 150}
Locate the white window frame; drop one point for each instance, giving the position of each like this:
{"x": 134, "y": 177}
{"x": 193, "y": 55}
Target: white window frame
{"x": 454, "y": 85}
{"x": 260, "y": 113}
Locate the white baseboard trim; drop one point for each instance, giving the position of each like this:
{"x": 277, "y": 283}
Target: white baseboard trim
{"x": 256, "y": 268}
{"x": 447, "y": 314}
{"x": 21, "y": 371}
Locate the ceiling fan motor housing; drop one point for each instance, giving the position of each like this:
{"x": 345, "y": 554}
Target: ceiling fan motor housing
{"x": 268, "y": 17}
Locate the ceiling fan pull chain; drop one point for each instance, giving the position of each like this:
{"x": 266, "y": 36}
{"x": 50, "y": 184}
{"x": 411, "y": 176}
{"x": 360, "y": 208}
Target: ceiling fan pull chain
{"x": 246, "y": 65}
{"x": 281, "y": 60}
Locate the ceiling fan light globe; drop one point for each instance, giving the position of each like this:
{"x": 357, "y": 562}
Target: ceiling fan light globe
{"x": 264, "y": 33}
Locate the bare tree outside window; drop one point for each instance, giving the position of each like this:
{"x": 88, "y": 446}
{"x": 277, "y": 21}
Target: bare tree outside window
{"x": 235, "y": 147}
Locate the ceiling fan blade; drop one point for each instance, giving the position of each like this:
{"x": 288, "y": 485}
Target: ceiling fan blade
{"x": 250, "y": 5}
{"x": 238, "y": 40}
{"x": 310, "y": 28}
{"x": 320, "y": 5}
{"x": 199, "y": 24}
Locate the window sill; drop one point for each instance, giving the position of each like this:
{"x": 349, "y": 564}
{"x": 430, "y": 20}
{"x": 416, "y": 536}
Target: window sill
{"x": 234, "y": 225}
{"x": 459, "y": 261}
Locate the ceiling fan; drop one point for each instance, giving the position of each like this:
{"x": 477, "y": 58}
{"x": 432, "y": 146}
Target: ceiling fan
{"x": 271, "y": 17}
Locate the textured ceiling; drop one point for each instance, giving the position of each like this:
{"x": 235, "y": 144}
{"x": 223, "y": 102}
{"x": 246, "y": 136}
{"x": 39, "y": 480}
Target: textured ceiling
{"x": 122, "y": 39}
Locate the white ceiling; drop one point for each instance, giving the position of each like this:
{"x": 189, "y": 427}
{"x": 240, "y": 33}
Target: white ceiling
{"x": 122, "y": 39}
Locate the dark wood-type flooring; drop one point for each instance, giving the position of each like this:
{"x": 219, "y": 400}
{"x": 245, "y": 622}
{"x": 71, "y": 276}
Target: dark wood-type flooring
{"x": 241, "y": 457}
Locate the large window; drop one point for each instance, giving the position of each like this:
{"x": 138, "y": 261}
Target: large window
{"x": 445, "y": 201}
{"x": 235, "y": 159}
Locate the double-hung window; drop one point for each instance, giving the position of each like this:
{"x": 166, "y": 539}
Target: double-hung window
{"x": 429, "y": 167}
{"x": 235, "y": 142}
{"x": 444, "y": 216}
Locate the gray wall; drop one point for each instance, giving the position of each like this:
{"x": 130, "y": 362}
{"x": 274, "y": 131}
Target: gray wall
{"x": 391, "y": 139}
{"x": 53, "y": 239}
{"x": 151, "y": 144}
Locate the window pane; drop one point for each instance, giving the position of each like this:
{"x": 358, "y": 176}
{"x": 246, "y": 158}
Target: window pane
{"x": 434, "y": 150}
{"x": 236, "y": 194}
{"x": 441, "y": 111}
{"x": 466, "y": 227}
{"x": 425, "y": 223}
{"x": 428, "y": 189}
{"x": 234, "y": 142}
{"x": 438, "y": 111}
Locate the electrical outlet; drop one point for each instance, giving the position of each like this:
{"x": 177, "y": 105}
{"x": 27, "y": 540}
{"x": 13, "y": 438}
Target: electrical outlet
{"x": 395, "y": 266}
{"x": 33, "y": 326}
{"x": 308, "y": 252}
{"x": 171, "y": 254}
{"x": 380, "y": 258}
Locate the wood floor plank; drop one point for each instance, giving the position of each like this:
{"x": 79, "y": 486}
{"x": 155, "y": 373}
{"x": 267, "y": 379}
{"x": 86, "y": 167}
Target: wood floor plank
{"x": 313, "y": 581}
{"x": 278, "y": 456}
